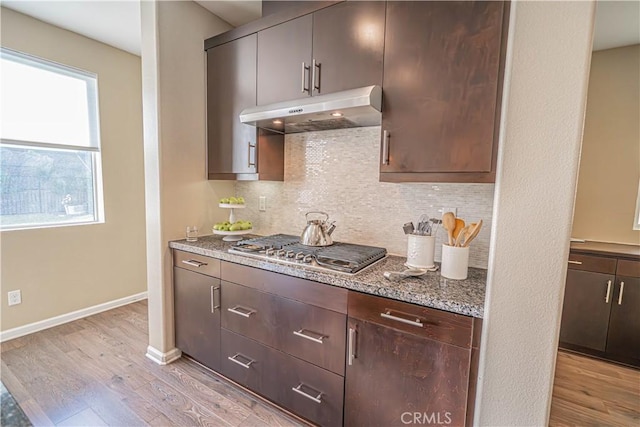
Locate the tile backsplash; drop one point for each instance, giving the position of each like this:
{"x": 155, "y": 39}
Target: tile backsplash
{"x": 336, "y": 172}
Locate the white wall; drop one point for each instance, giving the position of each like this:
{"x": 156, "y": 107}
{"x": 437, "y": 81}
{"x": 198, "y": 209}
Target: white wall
{"x": 177, "y": 191}
{"x": 64, "y": 269}
{"x": 545, "y": 92}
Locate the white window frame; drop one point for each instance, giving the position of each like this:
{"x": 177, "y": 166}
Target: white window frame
{"x": 94, "y": 135}
{"x": 636, "y": 218}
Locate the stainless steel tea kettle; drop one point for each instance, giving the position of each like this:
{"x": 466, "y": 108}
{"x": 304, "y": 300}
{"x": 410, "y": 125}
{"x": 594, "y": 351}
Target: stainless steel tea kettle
{"x": 317, "y": 232}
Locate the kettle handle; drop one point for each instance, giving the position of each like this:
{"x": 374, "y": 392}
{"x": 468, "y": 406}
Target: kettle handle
{"x": 316, "y": 212}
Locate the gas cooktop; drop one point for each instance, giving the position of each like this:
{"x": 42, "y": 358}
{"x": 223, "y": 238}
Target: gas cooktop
{"x": 283, "y": 248}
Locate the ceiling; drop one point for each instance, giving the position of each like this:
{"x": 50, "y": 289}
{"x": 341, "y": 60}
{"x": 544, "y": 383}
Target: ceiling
{"x": 117, "y": 23}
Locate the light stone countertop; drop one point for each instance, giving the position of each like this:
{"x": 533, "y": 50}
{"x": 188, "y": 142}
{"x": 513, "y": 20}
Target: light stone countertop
{"x": 431, "y": 290}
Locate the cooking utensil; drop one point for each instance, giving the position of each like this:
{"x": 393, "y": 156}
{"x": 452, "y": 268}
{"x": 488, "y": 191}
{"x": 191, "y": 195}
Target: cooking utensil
{"x": 449, "y": 224}
{"x": 463, "y": 235}
{"x": 472, "y": 233}
{"x": 399, "y": 275}
{"x": 424, "y": 228}
{"x": 459, "y": 226}
{"x": 408, "y": 228}
{"x": 317, "y": 232}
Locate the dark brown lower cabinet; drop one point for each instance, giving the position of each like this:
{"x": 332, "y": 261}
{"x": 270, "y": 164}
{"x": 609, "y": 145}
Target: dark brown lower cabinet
{"x": 197, "y": 316}
{"x": 601, "y": 310}
{"x": 403, "y": 369}
{"x": 624, "y": 323}
{"x": 585, "y": 313}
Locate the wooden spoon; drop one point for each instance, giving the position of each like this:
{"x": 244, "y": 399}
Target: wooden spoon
{"x": 449, "y": 224}
{"x": 458, "y": 228}
{"x": 472, "y": 233}
{"x": 464, "y": 235}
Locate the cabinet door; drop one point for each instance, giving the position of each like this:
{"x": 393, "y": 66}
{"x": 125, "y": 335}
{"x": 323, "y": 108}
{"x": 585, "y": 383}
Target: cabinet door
{"x": 231, "y": 87}
{"x": 396, "y": 374}
{"x": 585, "y": 313}
{"x": 441, "y": 84}
{"x": 348, "y": 43}
{"x": 284, "y": 61}
{"x": 197, "y": 316}
{"x": 624, "y": 324}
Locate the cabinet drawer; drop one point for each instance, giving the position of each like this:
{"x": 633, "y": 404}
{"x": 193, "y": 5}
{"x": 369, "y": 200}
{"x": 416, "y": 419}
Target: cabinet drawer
{"x": 318, "y": 394}
{"x": 430, "y": 323}
{"x": 243, "y": 360}
{"x": 274, "y": 374}
{"x": 592, "y": 263}
{"x": 198, "y": 263}
{"x": 307, "y": 291}
{"x": 248, "y": 312}
{"x": 311, "y": 333}
{"x": 628, "y": 268}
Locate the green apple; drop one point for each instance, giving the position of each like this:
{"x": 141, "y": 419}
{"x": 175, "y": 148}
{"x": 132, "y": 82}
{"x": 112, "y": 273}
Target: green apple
{"x": 240, "y": 200}
{"x": 235, "y": 227}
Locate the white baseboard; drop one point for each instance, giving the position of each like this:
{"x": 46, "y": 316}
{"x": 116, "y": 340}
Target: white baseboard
{"x": 20, "y": 331}
{"x": 163, "y": 358}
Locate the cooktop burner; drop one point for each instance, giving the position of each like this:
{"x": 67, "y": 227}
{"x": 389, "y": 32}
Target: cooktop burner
{"x": 342, "y": 257}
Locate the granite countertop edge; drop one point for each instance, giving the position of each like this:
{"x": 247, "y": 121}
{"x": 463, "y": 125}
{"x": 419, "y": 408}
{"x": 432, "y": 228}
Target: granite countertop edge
{"x": 464, "y": 297}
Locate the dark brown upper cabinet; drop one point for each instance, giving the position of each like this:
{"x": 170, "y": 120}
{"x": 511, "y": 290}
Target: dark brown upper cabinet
{"x": 237, "y": 151}
{"x": 333, "y": 49}
{"x": 443, "y": 66}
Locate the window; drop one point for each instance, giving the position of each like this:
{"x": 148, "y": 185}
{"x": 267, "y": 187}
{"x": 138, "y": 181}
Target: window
{"x": 49, "y": 144}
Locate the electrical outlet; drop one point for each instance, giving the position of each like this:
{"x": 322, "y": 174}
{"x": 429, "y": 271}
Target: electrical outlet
{"x": 262, "y": 206}
{"x": 15, "y": 297}
{"x": 444, "y": 210}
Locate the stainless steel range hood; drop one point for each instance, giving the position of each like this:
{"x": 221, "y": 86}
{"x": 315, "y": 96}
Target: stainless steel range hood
{"x": 347, "y": 109}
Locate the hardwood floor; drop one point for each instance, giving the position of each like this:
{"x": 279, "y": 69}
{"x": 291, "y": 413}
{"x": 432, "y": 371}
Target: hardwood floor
{"x": 590, "y": 392}
{"x": 93, "y": 372}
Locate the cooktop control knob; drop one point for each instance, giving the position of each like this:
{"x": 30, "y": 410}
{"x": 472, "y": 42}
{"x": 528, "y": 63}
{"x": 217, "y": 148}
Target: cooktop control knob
{"x": 299, "y": 255}
{"x": 281, "y": 252}
{"x": 307, "y": 258}
{"x": 290, "y": 254}
{"x": 270, "y": 251}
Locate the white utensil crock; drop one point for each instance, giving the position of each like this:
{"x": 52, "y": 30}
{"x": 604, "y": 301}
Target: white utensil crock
{"x": 455, "y": 262}
{"x": 420, "y": 250}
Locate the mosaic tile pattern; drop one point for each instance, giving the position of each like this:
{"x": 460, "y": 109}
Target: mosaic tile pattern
{"x": 430, "y": 290}
{"x": 337, "y": 171}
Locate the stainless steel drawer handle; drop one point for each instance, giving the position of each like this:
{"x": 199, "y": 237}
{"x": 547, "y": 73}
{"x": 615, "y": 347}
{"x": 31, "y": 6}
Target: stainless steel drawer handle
{"x": 385, "y": 147}
{"x": 575, "y": 262}
{"x": 301, "y": 334}
{"x": 621, "y": 292}
{"x": 234, "y": 359}
{"x": 194, "y": 263}
{"x": 606, "y": 299}
{"x": 241, "y": 311}
{"x": 317, "y": 398}
{"x": 388, "y": 315}
{"x": 352, "y": 345}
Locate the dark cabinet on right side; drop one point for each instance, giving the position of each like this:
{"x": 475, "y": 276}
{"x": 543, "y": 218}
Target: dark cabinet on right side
{"x": 443, "y": 66}
{"x": 601, "y": 310}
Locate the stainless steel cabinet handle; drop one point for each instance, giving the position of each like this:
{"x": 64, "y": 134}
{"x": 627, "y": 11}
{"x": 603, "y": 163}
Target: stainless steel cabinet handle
{"x": 254, "y": 156}
{"x": 316, "y": 76}
{"x": 416, "y": 322}
{"x": 621, "y": 292}
{"x": 234, "y": 359}
{"x": 194, "y": 263}
{"x": 216, "y": 291}
{"x": 304, "y": 75}
{"x": 315, "y": 398}
{"x": 385, "y": 147}
{"x": 352, "y": 345}
{"x": 301, "y": 334}
{"x": 246, "y": 313}
{"x": 212, "y": 309}
{"x": 575, "y": 262}
{"x": 606, "y": 299}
